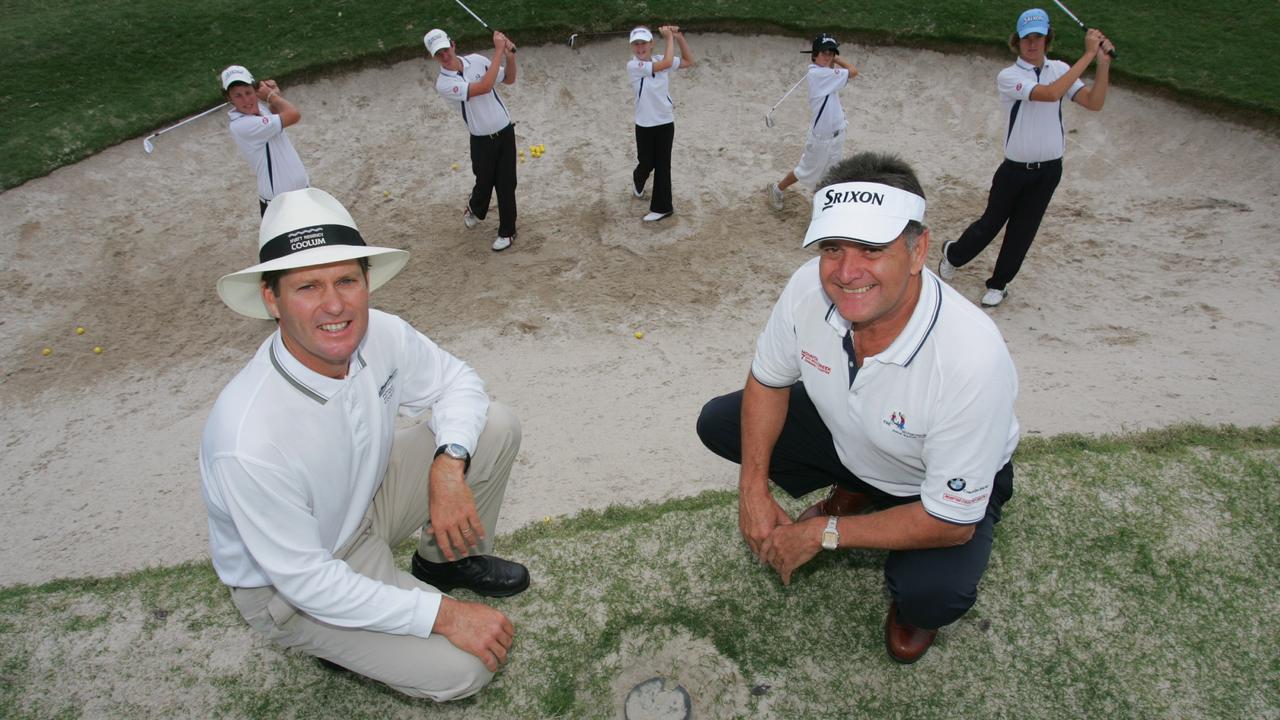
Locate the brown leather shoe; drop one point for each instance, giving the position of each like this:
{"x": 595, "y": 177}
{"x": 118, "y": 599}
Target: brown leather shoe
{"x": 906, "y": 643}
{"x": 839, "y": 502}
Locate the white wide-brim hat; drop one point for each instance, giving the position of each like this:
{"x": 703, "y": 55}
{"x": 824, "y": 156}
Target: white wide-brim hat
{"x": 863, "y": 212}
{"x": 303, "y": 228}
{"x": 641, "y": 34}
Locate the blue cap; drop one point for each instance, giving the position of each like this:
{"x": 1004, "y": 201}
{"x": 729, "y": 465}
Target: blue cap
{"x": 1034, "y": 20}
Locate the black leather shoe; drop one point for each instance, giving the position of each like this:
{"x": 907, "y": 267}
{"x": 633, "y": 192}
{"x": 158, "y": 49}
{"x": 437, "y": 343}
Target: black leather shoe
{"x": 481, "y": 574}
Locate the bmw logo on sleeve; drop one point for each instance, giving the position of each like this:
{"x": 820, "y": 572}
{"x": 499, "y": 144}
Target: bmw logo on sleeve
{"x": 956, "y": 484}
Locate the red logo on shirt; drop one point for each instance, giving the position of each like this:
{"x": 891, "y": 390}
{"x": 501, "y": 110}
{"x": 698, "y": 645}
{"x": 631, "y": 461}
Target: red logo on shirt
{"x": 1018, "y": 87}
{"x": 266, "y": 120}
{"x": 813, "y": 360}
{"x": 455, "y": 89}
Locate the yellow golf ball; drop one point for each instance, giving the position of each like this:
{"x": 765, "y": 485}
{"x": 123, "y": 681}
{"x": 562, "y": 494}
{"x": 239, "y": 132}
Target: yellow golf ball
{"x": 639, "y": 334}
{"x": 79, "y": 331}
{"x": 97, "y": 349}
{"x": 386, "y": 193}
{"x": 47, "y": 352}
{"x": 453, "y": 166}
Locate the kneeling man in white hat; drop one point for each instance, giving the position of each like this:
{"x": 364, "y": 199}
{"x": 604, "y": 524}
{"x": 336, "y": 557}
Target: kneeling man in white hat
{"x": 309, "y": 485}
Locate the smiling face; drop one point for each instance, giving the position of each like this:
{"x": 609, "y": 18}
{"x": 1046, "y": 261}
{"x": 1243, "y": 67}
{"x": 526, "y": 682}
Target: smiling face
{"x": 824, "y": 58}
{"x": 323, "y": 312}
{"x": 243, "y": 98}
{"x": 643, "y": 49}
{"x": 873, "y": 287}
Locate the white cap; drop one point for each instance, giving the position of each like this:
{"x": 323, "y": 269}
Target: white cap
{"x": 436, "y": 40}
{"x": 302, "y": 228}
{"x": 641, "y": 34}
{"x": 235, "y": 74}
{"x": 863, "y": 212}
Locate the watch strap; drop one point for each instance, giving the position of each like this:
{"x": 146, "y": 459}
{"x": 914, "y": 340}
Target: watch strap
{"x": 831, "y": 535}
{"x": 466, "y": 456}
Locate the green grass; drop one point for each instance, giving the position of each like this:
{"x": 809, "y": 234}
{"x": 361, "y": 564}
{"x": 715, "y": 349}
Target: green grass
{"x": 1132, "y": 576}
{"x": 81, "y": 76}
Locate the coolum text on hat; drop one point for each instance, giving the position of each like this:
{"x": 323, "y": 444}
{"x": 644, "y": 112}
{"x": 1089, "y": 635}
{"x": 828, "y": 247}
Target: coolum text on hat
{"x": 303, "y": 228}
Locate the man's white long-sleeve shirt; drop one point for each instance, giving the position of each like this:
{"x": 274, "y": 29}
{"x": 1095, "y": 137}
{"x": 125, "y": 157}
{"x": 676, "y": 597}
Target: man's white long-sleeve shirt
{"x": 291, "y": 459}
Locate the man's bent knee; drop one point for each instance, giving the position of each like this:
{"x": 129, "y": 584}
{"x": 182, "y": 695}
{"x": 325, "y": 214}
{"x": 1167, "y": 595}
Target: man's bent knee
{"x": 718, "y": 426}
{"x": 465, "y": 678}
{"x": 502, "y": 424}
{"x": 932, "y": 606}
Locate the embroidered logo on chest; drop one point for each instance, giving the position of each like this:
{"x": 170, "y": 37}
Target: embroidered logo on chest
{"x": 897, "y": 424}
{"x": 388, "y": 387}
{"x": 811, "y": 359}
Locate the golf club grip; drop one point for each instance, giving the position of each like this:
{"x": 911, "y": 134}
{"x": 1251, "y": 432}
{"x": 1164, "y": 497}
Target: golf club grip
{"x": 1111, "y": 52}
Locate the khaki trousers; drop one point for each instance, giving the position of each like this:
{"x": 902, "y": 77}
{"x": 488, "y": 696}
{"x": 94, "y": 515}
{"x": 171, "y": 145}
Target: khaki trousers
{"x": 429, "y": 667}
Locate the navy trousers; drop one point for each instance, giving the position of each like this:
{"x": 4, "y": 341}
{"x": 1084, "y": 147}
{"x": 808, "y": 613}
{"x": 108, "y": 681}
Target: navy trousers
{"x": 493, "y": 161}
{"x": 1019, "y": 196}
{"x": 933, "y": 587}
{"x": 653, "y": 155}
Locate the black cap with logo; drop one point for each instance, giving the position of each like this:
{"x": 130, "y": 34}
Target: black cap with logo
{"x": 825, "y": 42}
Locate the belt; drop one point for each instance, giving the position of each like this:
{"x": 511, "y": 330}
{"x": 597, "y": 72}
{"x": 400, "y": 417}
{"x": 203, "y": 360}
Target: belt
{"x": 1033, "y": 165}
{"x": 495, "y": 136}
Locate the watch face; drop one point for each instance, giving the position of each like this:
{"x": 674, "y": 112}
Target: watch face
{"x": 456, "y": 451}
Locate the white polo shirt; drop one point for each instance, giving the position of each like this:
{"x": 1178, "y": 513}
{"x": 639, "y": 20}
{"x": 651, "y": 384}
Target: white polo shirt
{"x": 932, "y": 415}
{"x": 290, "y": 460}
{"x": 263, "y": 142}
{"x": 1034, "y": 131}
{"x": 484, "y": 114}
{"x": 825, "y": 84}
{"x": 652, "y": 91}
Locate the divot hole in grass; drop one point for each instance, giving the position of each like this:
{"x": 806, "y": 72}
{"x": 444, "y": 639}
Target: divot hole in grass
{"x": 661, "y": 671}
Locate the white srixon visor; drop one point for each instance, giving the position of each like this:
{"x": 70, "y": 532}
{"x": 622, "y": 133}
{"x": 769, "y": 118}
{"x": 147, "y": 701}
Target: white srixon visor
{"x": 863, "y": 212}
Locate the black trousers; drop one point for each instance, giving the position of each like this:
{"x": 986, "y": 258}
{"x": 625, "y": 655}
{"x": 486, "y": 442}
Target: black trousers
{"x": 493, "y": 161}
{"x": 1019, "y": 196}
{"x": 933, "y": 587}
{"x": 653, "y": 155}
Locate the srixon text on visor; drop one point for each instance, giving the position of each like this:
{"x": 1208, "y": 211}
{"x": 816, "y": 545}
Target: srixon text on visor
{"x": 834, "y": 197}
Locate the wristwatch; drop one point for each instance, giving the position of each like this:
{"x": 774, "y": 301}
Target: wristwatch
{"x": 831, "y": 536}
{"x": 455, "y": 451}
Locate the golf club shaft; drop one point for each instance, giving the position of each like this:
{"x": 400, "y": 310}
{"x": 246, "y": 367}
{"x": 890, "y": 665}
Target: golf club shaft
{"x": 1111, "y": 52}
{"x": 477, "y": 17}
{"x": 197, "y": 116}
{"x": 785, "y": 94}
{"x": 573, "y": 39}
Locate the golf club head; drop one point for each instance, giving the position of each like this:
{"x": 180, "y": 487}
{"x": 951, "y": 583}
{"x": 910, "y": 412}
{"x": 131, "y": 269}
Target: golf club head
{"x": 573, "y": 39}
{"x": 147, "y": 145}
{"x": 768, "y": 120}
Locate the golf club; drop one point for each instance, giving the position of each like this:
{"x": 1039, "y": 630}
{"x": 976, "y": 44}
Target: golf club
{"x": 768, "y": 117}
{"x": 477, "y": 17}
{"x": 1111, "y": 52}
{"x": 573, "y": 39}
{"x": 150, "y": 147}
